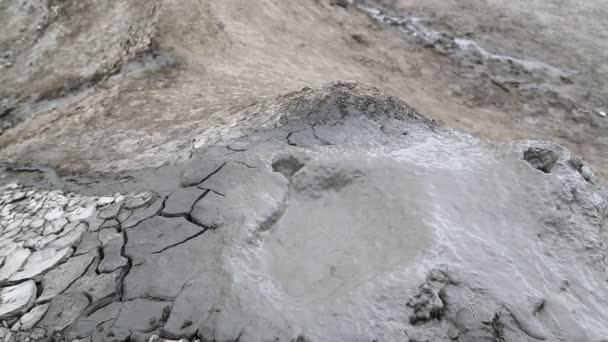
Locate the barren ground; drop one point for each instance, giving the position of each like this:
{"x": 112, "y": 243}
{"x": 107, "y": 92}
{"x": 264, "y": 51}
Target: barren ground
{"x": 109, "y": 86}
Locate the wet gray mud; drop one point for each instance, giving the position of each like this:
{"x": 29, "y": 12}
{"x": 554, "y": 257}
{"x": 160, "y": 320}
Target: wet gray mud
{"x": 344, "y": 215}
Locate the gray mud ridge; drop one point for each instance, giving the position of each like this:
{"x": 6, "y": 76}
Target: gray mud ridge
{"x": 347, "y": 217}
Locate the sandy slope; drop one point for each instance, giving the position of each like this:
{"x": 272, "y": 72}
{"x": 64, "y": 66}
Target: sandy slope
{"x": 107, "y": 86}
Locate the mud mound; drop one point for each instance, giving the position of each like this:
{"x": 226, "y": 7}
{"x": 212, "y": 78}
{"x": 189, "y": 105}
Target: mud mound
{"x": 346, "y": 217}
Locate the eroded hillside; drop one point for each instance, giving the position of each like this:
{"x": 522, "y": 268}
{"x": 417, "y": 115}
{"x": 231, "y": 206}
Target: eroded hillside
{"x": 94, "y": 86}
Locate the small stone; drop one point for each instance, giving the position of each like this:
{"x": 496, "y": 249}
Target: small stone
{"x": 587, "y": 173}
{"x": 14, "y": 300}
{"x": 29, "y": 320}
{"x": 543, "y": 159}
{"x": 576, "y": 163}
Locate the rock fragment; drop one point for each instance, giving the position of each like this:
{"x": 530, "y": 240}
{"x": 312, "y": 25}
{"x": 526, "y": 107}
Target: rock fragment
{"x": 543, "y": 159}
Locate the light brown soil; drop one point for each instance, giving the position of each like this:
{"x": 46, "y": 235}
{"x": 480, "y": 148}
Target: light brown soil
{"x": 110, "y": 86}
